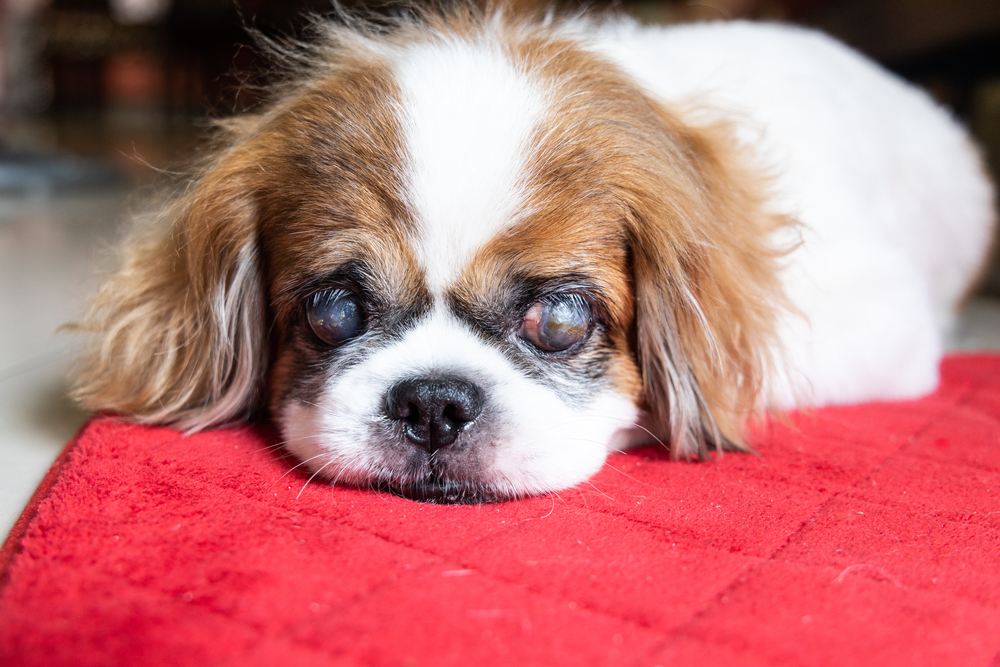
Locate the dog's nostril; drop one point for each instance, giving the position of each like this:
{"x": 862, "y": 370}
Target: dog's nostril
{"x": 454, "y": 414}
{"x": 433, "y": 412}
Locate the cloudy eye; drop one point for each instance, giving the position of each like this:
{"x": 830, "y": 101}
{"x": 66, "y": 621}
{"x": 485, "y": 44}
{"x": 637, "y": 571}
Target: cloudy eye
{"x": 557, "y": 324}
{"x": 334, "y": 316}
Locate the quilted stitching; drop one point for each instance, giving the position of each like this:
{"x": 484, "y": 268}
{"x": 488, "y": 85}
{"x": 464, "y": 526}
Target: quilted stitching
{"x": 862, "y": 535}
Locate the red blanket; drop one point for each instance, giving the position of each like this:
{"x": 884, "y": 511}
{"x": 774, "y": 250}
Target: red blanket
{"x": 865, "y": 535}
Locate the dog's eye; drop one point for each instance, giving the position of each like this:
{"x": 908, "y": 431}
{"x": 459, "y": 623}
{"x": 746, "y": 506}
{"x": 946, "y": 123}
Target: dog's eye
{"x": 558, "y": 324}
{"x": 334, "y": 316}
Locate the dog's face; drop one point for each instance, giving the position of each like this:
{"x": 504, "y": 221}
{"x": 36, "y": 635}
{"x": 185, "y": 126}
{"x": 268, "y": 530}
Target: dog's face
{"x": 461, "y": 263}
{"x": 468, "y": 335}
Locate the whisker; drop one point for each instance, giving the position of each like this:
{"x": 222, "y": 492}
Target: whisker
{"x": 299, "y": 465}
{"x": 552, "y": 509}
{"x": 285, "y": 442}
{"x": 594, "y": 487}
{"x": 576, "y": 420}
{"x": 299, "y": 495}
{"x": 624, "y": 474}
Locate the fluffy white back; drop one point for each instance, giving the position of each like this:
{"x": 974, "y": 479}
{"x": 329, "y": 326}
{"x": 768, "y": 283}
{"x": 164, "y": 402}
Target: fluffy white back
{"x": 896, "y": 210}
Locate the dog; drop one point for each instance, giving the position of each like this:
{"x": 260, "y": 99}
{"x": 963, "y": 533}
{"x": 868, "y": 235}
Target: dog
{"x": 462, "y": 255}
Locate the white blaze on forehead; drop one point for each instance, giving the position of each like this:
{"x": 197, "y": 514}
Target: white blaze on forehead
{"x": 469, "y": 118}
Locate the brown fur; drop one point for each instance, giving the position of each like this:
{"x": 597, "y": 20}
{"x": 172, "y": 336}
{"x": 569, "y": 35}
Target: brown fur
{"x": 617, "y": 170}
{"x": 666, "y": 216}
{"x": 182, "y": 330}
{"x": 709, "y": 302}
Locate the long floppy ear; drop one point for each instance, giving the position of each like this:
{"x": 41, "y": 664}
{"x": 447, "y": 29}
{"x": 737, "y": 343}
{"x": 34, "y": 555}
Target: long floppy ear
{"x": 707, "y": 289}
{"x": 179, "y": 333}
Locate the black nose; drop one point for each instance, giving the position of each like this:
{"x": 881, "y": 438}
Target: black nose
{"x": 433, "y": 412}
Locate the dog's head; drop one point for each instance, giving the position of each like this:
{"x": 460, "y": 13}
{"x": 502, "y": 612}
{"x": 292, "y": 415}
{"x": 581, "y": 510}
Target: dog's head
{"x": 461, "y": 259}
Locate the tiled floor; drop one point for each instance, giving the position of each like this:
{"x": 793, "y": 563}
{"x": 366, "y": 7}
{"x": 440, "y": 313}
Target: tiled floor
{"x": 51, "y": 251}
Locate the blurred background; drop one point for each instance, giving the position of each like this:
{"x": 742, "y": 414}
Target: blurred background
{"x": 101, "y": 99}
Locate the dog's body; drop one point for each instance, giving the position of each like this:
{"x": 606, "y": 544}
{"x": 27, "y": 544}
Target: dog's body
{"x": 894, "y": 206}
{"x": 469, "y": 256}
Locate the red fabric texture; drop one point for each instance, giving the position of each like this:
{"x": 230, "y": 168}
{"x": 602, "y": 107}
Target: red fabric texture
{"x": 866, "y": 535}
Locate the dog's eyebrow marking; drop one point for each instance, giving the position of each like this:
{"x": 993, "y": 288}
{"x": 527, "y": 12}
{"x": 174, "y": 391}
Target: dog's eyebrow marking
{"x": 352, "y": 272}
{"x": 470, "y": 115}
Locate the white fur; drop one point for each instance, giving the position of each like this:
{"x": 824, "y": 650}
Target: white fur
{"x": 896, "y": 215}
{"x": 533, "y": 442}
{"x": 469, "y": 118}
{"x": 896, "y": 211}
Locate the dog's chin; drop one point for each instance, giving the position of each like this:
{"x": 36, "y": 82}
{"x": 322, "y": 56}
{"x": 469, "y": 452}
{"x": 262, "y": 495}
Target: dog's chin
{"x": 439, "y": 491}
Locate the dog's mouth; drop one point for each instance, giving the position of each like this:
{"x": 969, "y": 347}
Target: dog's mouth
{"x": 439, "y": 491}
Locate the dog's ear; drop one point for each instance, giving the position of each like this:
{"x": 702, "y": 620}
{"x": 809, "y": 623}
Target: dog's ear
{"x": 705, "y": 266}
{"x": 179, "y": 329}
